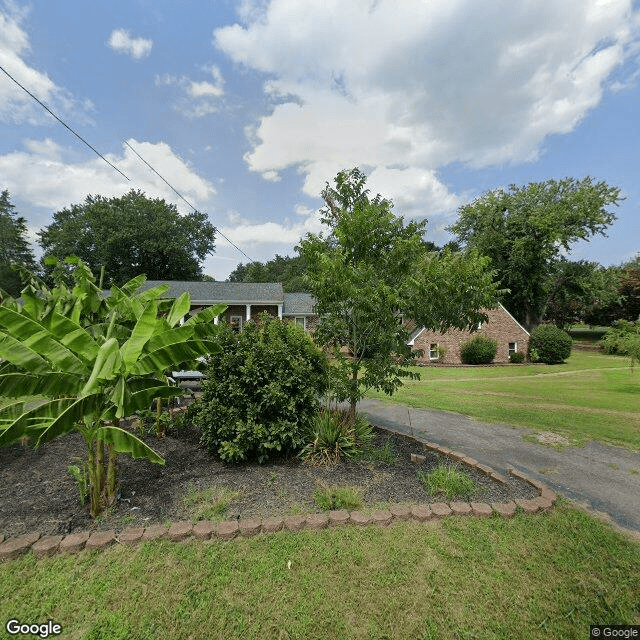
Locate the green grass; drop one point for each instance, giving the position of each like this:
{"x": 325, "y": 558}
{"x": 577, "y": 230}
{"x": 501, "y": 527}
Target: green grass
{"x": 450, "y": 481}
{"x": 542, "y": 577}
{"x": 208, "y": 504}
{"x": 591, "y": 396}
{"x": 328, "y": 498}
{"x": 385, "y": 453}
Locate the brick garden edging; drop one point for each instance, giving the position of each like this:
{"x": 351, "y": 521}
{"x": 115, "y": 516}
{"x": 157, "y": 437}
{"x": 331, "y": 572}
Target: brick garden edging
{"x": 204, "y": 530}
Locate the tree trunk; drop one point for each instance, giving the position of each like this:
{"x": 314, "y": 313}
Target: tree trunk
{"x": 354, "y": 395}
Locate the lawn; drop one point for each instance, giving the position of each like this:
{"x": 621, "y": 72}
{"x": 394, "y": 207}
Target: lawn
{"x": 547, "y": 576}
{"x": 591, "y": 396}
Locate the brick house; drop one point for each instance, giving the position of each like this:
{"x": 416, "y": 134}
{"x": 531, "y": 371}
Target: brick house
{"x": 245, "y": 300}
{"x": 445, "y": 347}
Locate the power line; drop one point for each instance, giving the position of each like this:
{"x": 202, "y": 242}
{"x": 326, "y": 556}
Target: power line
{"x": 185, "y": 200}
{"x": 44, "y": 106}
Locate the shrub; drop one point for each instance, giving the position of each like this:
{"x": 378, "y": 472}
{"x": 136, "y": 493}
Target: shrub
{"x": 479, "y": 350}
{"x": 549, "y": 344}
{"x": 517, "y": 357}
{"x": 448, "y": 480}
{"x": 262, "y": 391}
{"x": 620, "y": 337}
{"x": 331, "y": 436}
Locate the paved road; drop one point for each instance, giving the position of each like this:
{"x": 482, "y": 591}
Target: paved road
{"x": 605, "y": 478}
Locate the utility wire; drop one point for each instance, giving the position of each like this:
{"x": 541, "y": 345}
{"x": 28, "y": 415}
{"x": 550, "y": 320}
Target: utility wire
{"x": 44, "y": 106}
{"x": 185, "y": 200}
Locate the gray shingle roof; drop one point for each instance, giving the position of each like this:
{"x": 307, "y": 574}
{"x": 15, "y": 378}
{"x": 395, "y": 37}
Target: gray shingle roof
{"x": 297, "y": 304}
{"x": 218, "y": 292}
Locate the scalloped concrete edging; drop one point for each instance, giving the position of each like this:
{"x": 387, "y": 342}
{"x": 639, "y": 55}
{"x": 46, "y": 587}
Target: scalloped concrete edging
{"x": 204, "y": 530}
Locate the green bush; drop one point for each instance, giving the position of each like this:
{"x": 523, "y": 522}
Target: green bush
{"x": 331, "y": 437}
{"x": 479, "y": 350}
{"x": 516, "y": 358}
{"x": 620, "y": 337}
{"x": 262, "y": 391}
{"x": 549, "y": 344}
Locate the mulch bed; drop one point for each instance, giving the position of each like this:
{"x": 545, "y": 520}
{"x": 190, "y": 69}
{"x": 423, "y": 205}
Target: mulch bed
{"x": 37, "y": 493}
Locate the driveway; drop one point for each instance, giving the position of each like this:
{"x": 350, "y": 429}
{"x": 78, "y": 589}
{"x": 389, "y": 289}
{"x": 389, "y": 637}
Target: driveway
{"x": 604, "y": 478}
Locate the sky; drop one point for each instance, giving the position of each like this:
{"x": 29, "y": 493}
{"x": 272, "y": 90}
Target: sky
{"x": 249, "y": 107}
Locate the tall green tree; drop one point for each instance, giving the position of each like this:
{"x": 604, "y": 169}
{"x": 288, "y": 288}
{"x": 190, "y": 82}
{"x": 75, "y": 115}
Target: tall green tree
{"x": 14, "y": 246}
{"x": 94, "y": 360}
{"x": 130, "y": 235}
{"x": 289, "y": 270}
{"x": 372, "y": 269}
{"x": 524, "y": 229}
{"x": 580, "y": 290}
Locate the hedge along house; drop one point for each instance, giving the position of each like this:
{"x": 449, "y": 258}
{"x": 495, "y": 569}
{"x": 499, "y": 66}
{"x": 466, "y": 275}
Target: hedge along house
{"x": 245, "y": 301}
{"x": 445, "y": 348}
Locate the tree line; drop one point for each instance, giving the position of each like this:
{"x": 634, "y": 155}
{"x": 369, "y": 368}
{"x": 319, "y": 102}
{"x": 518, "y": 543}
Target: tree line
{"x": 525, "y": 231}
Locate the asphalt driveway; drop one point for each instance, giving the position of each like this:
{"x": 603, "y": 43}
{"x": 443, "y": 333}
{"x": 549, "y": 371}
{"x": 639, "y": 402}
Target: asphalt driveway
{"x": 604, "y": 478}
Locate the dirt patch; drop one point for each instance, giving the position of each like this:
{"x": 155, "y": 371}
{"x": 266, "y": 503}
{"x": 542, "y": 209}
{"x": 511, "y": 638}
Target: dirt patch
{"x": 38, "y": 493}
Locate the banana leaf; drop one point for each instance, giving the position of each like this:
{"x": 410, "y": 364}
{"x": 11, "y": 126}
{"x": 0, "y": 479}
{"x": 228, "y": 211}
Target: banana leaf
{"x": 207, "y": 315}
{"x": 51, "y": 384}
{"x": 165, "y": 357}
{"x": 140, "y": 335}
{"x": 22, "y": 356}
{"x": 107, "y": 365}
{"x": 179, "y": 309}
{"x": 125, "y": 442}
{"x": 33, "y": 335}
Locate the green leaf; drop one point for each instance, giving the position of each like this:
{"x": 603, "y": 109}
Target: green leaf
{"x": 125, "y": 442}
{"x": 166, "y": 357}
{"x": 51, "y": 384}
{"x": 17, "y": 353}
{"x": 108, "y": 363}
{"x": 207, "y": 315}
{"x": 33, "y": 335}
{"x": 133, "y": 285}
{"x": 72, "y": 335}
{"x": 51, "y": 419}
{"x": 179, "y": 309}
{"x": 141, "y": 333}
{"x": 142, "y": 399}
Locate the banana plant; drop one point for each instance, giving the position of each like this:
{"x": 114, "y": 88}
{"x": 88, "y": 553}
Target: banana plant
{"x": 94, "y": 362}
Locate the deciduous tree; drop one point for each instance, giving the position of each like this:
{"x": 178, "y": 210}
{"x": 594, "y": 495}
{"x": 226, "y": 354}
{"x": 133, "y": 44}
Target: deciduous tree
{"x": 524, "y": 229}
{"x": 371, "y": 270}
{"x": 130, "y": 235}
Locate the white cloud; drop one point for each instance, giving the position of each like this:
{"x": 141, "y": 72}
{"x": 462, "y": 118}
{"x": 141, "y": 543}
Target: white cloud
{"x": 121, "y": 41}
{"x": 43, "y": 176}
{"x": 16, "y": 106}
{"x": 405, "y": 88}
{"x": 198, "y": 98}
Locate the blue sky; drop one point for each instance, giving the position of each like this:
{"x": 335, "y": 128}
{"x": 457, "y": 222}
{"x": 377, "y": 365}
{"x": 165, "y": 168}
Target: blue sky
{"x": 248, "y": 107}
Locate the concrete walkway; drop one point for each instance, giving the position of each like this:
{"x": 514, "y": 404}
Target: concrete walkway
{"x": 604, "y": 478}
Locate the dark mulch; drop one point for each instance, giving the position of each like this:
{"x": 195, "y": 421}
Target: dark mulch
{"x": 37, "y": 493}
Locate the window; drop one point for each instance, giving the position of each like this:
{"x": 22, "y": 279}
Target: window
{"x": 434, "y": 352}
{"x": 301, "y": 322}
{"x": 236, "y": 323}
{"x": 513, "y": 347}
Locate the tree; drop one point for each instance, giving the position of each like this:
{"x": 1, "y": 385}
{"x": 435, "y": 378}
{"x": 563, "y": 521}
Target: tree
{"x": 94, "y": 360}
{"x": 14, "y": 246}
{"x": 372, "y": 269}
{"x": 580, "y": 291}
{"x": 524, "y": 229}
{"x": 289, "y": 270}
{"x": 130, "y": 235}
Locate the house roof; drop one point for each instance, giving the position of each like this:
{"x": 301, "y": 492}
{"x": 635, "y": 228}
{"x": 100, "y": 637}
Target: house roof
{"x": 223, "y": 292}
{"x": 297, "y": 304}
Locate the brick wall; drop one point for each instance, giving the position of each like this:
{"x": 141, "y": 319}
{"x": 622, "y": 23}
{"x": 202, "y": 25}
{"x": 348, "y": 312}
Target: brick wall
{"x": 501, "y": 327}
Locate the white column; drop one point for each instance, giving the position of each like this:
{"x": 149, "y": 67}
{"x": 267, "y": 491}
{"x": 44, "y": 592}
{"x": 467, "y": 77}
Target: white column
{"x": 216, "y": 319}
{"x": 248, "y": 312}
{"x": 280, "y": 311}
